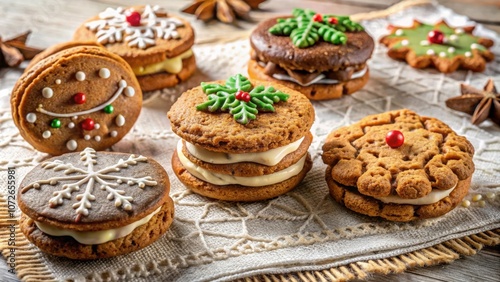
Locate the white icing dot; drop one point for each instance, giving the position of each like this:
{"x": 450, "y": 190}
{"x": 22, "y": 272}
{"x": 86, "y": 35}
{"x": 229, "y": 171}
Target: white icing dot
{"x": 129, "y": 91}
{"x": 75, "y": 118}
{"x": 399, "y": 32}
{"x": 31, "y": 117}
{"x": 453, "y": 37}
{"x": 425, "y": 43}
{"x": 113, "y": 133}
{"x": 430, "y": 52}
{"x": 71, "y": 145}
{"x": 86, "y": 137}
{"x": 442, "y": 54}
{"x": 405, "y": 42}
{"x": 451, "y": 50}
{"x": 58, "y": 81}
{"x": 468, "y": 54}
{"x": 47, "y": 92}
{"x": 104, "y": 73}
{"x": 97, "y": 138}
{"x": 459, "y": 31}
{"x": 71, "y": 125}
{"x": 97, "y": 126}
{"x": 80, "y": 76}
{"x": 46, "y": 134}
{"x": 122, "y": 83}
{"x": 474, "y": 46}
{"x": 120, "y": 120}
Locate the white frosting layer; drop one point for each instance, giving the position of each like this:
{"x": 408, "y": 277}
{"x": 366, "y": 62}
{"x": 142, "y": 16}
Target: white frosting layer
{"x": 431, "y": 198}
{"x": 95, "y": 237}
{"x": 320, "y": 79}
{"x": 269, "y": 158}
{"x": 252, "y": 181}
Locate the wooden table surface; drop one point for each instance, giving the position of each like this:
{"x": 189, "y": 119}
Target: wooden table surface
{"x": 53, "y": 21}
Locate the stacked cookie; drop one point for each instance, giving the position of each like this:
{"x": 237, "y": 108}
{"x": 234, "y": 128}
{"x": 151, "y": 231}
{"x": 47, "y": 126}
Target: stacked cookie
{"x": 242, "y": 140}
{"x": 398, "y": 166}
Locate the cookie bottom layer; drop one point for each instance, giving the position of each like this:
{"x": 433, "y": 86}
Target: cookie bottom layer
{"x": 395, "y": 212}
{"x": 237, "y": 192}
{"x": 66, "y": 246}
{"x": 315, "y": 91}
{"x": 162, "y": 80}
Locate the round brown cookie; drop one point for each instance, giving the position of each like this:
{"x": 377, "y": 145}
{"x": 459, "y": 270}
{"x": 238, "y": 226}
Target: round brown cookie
{"x": 149, "y": 37}
{"x": 237, "y": 192}
{"x": 314, "y": 91}
{"x": 77, "y": 98}
{"x": 440, "y": 46}
{"x": 277, "y": 53}
{"x": 250, "y": 168}
{"x": 57, "y": 48}
{"x": 432, "y": 158}
{"x": 219, "y": 132}
{"x": 91, "y": 191}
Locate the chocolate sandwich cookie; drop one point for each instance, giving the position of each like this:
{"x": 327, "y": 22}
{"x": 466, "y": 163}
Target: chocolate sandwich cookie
{"x": 323, "y": 56}
{"x": 440, "y": 46}
{"x": 156, "y": 45}
{"x": 92, "y": 205}
{"x": 77, "y": 98}
{"x": 242, "y": 140}
{"x": 399, "y": 166}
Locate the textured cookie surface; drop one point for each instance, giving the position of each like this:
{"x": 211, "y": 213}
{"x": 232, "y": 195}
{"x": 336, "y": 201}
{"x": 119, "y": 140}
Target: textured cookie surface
{"x": 219, "y": 132}
{"x": 77, "y": 98}
{"x": 448, "y": 50}
{"x": 432, "y": 158}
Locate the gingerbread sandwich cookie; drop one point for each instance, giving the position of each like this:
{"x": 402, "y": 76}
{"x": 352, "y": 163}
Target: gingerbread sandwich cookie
{"x": 321, "y": 55}
{"x": 241, "y": 140}
{"x": 399, "y": 166}
{"x": 155, "y": 44}
{"x": 77, "y": 98}
{"x": 92, "y": 205}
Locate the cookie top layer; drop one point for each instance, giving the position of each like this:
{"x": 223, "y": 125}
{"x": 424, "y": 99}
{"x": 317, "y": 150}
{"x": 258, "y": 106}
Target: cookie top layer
{"x": 322, "y": 56}
{"x": 433, "y": 156}
{"x": 219, "y": 131}
{"x": 77, "y": 98}
{"x": 156, "y": 37}
{"x": 91, "y": 190}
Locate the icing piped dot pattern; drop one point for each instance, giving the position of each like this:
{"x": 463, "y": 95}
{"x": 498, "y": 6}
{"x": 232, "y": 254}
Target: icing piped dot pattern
{"x": 71, "y": 145}
{"x": 47, "y": 92}
{"x": 80, "y": 76}
{"x": 31, "y": 117}
{"x": 104, "y": 73}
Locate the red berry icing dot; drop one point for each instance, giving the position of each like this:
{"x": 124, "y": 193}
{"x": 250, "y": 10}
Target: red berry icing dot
{"x": 394, "y": 139}
{"x": 435, "y": 37}
{"x": 242, "y": 96}
{"x": 317, "y": 18}
{"x": 133, "y": 18}
{"x": 79, "y": 98}
{"x": 333, "y": 21}
{"x": 88, "y": 124}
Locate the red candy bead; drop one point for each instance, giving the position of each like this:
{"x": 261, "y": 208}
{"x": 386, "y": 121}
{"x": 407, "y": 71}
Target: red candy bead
{"x": 242, "y": 96}
{"x": 317, "y": 18}
{"x": 79, "y": 98}
{"x": 435, "y": 37}
{"x": 88, "y": 124}
{"x": 133, "y": 18}
{"x": 333, "y": 21}
{"x": 394, "y": 139}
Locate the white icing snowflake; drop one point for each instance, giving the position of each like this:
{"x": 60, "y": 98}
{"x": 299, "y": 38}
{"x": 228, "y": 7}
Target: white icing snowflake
{"x": 91, "y": 177}
{"x": 112, "y": 26}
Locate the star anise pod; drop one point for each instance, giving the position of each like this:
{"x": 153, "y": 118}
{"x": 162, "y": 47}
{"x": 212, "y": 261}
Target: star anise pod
{"x": 481, "y": 104}
{"x": 14, "y": 51}
{"x": 224, "y": 10}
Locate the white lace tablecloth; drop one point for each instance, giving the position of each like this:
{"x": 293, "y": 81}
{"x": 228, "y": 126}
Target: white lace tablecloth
{"x": 304, "y": 229}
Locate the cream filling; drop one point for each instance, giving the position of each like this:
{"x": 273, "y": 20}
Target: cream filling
{"x": 252, "y": 181}
{"x": 433, "y": 197}
{"x": 95, "y": 237}
{"x": 269, "y": 158}
{"x": 320, "y": 79}
{"x": 170, "y": 65}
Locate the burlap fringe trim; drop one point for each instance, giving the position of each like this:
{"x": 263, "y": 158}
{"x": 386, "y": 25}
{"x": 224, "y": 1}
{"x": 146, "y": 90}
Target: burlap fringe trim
{"x": 442, "y": 253}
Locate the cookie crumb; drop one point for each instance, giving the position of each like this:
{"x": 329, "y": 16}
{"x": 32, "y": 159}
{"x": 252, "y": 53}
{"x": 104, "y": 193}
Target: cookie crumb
{"x": 482, "y": 204}
{"x": 490, "y": 195}
{"x": 477, "y": 197}
{"x": 465, "y": 203}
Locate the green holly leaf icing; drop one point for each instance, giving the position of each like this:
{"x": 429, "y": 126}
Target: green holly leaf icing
{"x": 223, "y": 98}
{"x": 305, "y": 31}
{"x": 458, "y": 42}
